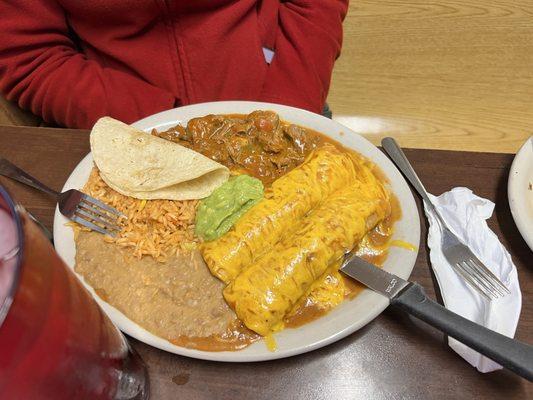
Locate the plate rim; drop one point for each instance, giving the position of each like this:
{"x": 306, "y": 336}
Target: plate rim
{"x": 514, "y": 191}
{"x": 379, "y": 303}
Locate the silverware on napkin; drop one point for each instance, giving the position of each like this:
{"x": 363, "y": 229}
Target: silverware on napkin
{"x": 461, "y": 258}
{"x": 410, "y": 297}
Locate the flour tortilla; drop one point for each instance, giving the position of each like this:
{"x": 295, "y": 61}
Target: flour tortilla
{"x": 143, "y": 166}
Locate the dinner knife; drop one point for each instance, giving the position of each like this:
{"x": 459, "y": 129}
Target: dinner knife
{"x": 410, "y": 297}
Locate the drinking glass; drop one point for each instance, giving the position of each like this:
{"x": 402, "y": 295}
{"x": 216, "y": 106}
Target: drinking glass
{"x": 55, "y": 341}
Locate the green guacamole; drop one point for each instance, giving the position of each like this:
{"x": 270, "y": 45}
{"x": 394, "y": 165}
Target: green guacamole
{"x": 218, "y": 213}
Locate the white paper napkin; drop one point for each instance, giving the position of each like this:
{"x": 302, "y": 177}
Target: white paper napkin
{"x": 465, "y": 213}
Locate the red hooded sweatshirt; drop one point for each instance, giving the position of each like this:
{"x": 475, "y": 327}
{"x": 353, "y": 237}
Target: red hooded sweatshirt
{"x": 73, "y": 61}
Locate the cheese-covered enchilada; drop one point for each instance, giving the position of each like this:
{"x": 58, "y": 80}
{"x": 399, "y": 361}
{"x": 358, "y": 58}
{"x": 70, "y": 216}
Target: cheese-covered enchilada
{"x": 266, "y": 291}
{"x": 289, "y": 198}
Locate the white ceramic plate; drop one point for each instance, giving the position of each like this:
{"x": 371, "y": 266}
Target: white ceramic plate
{"x": 520, "y": 191}
{"x": 342, "y": 321}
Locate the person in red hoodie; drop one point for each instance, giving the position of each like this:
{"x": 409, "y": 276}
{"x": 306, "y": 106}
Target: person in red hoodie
{"x": 73, "y": 61}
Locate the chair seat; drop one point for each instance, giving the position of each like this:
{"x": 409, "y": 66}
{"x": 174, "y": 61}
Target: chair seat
{"x": 11, "y": 114}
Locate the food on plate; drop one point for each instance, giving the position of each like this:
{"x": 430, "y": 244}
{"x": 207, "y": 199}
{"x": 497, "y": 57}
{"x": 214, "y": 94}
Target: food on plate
{"x": 152, "y": 273}
{"x": 325, "y": 293}
{"x": 219, "y": 262}
{"x": 218, "y": 213}
{"x": 259, "y": 144}
{"x": 266, "y": 290}
{"x": 286, "y": 202}
{"x": 146, "y": 167}
{"x": 153, "y": 228}
{"x": 156, "y": 295}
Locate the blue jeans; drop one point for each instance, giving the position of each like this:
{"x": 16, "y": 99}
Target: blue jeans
{"x": 326, "y": 111}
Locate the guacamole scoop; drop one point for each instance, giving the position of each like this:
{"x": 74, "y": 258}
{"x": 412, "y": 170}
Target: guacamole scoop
{"x": 218, "y": 213}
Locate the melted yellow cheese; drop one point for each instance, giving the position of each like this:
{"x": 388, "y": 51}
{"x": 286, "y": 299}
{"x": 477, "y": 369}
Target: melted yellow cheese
{"x": 271, "y": 343}
{"x": 264, "y": 292}
{"x": 142, "y": 205}
{"x": 328, "y": 291}
{"x": 402, "y": 244}
{"x": 286, "y": 202}
{"x": 287, "y": 248}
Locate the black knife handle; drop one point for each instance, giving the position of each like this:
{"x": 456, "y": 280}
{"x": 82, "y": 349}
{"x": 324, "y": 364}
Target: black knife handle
{"x": 510, "y": 353}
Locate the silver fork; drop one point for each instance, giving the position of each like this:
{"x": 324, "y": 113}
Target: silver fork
{"x": 461, "y": 258}
{"x": 73, "y": 204}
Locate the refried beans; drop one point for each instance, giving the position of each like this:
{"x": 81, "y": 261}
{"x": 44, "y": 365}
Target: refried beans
{"x": 175, "y": 299}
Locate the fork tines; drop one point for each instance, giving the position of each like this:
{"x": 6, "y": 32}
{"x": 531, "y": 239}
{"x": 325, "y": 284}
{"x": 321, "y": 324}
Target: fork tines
{"x": 97, "y": 216}
{"x": 481, "y": 278}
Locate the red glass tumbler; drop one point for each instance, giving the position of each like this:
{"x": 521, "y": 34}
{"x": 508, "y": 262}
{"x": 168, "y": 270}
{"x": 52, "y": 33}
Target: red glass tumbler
{"x": 55, "y": 341}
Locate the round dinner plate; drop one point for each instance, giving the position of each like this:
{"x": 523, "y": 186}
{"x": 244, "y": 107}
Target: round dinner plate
{"x": 520, "y": 191}
{"x": 347, "y": 317}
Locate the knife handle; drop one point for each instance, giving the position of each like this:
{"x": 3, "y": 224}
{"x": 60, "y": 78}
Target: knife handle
{"x": 510, "y": 353}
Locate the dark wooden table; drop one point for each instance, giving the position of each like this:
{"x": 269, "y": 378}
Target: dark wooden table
{"x": 393, "y": 357}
